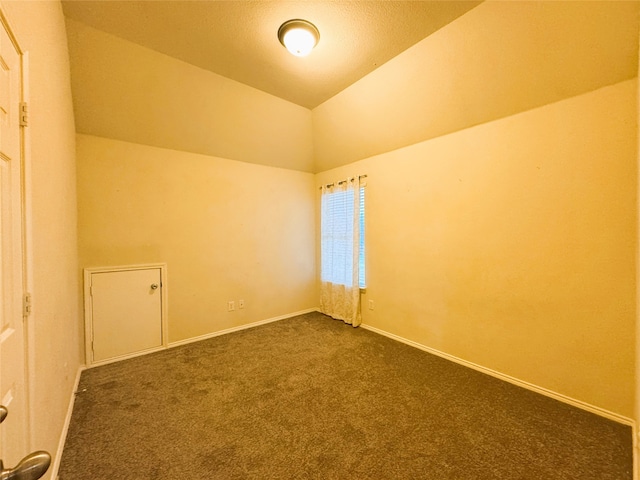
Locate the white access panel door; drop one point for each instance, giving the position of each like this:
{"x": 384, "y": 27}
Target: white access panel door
{"x": 126, "y": 312}
{"x": 13, "y": 384}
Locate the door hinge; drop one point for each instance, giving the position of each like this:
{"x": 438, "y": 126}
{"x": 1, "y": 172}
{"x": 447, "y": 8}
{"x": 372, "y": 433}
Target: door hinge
{"x": 26, "y": 305}
{"x": 24, "y": 114}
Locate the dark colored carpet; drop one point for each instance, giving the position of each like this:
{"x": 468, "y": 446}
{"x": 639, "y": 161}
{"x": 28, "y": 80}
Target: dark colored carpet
{"x": 313, "y": 398}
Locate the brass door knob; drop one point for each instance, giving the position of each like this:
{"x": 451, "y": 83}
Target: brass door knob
{"x": 31, "y": 467}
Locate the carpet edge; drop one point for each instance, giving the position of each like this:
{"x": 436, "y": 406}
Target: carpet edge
{"x": 65, "y": 427}
{"x": 240, "y": 327}
{"x": 508, "y": 378}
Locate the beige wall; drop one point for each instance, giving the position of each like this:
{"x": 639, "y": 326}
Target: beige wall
{"x": 55, "y": 325}
{"x": 498, "y": 59}
{"x": 127, "y": 92}
{"x": 227, "y": 230}
{"x": 512, "y": 245}
{"x": 509, "y": 243}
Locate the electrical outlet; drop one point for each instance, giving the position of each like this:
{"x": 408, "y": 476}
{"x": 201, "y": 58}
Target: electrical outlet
{"x": 231, "y": 305}
{"x": 240, "y": 303}
{"x": 370, "y": 304}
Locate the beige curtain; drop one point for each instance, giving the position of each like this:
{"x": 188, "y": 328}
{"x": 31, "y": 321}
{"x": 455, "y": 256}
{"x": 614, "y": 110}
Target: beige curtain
{"x": 340, "y": 240}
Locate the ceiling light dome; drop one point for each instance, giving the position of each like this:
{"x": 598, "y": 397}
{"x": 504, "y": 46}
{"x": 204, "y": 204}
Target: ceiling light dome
{"x": 298, "y": 36}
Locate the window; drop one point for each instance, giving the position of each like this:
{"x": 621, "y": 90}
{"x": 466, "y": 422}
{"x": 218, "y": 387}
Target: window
{"x": 340, "y": 210}
{"x": 361, "y": 276}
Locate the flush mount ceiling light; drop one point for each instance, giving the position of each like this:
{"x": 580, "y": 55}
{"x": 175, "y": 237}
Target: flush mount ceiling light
{"x": 298, "y": 36}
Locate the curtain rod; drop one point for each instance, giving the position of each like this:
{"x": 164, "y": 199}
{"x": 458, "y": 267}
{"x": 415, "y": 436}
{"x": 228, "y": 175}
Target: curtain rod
{"x": 342, "y": 181}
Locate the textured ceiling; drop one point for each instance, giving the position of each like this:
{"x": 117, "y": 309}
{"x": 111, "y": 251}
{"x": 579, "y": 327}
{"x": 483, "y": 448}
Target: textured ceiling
{"x": 238, "y": 39}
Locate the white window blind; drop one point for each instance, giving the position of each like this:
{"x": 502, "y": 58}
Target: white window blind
{"x": 361, "y": 263}
{"x": 337, "y": 233}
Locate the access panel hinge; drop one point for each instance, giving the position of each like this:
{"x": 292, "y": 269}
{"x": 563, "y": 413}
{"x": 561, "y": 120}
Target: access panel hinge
{"x": 26, "y": 305}
{"x": 24, "y": 114}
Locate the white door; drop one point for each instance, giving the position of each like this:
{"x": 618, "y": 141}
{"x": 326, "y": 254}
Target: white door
{"x": 126, "y": 312}
{"x": 13, "y": 385}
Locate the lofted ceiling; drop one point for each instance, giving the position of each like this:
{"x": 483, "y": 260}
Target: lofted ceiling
{"x": 192, "y": 75}
{"x": 238, "y": 39}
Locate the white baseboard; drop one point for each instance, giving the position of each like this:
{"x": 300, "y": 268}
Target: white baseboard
{"x": 63, "y": 436}
{"x": 507, "y": 378}
{"x": 521, "y": 383}
{"x": 241, "y": 327}
{"x": 65, "y": 428}
{"x": 198, "y": 338}
{"x": 636, "y": 453}
{"x": 100, "y": 363}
